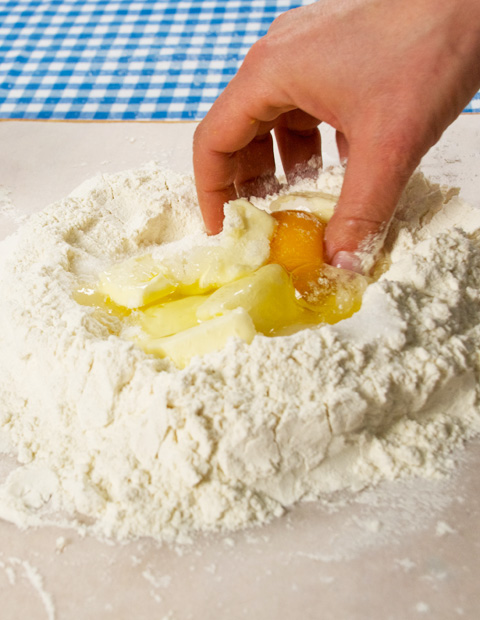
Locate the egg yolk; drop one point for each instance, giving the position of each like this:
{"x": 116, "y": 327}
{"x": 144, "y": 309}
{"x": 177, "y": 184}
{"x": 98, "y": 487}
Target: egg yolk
{"x": 333, "y": 294}
{"x": 297, "y": 289}
{"x": 298, "y": 239}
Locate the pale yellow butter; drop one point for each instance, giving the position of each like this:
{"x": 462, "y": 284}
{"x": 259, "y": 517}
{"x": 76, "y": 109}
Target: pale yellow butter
{"x": 135, "y": 282}
{"x": 242, "y": 247}
{"x": 267, "y": 295}
{"x": 207, "y": 337}
{"x": 170, "y": 318}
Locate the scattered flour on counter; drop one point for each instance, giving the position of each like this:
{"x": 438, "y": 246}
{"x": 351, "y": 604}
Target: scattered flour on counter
{"x": 7, "y": 208}
{"x": 115, "y": 442}
{"x": 443, "y": 528}
{"x": 60, "y": 544}
{"x": 36, "y": 580}
{"x": 32, "y": 574}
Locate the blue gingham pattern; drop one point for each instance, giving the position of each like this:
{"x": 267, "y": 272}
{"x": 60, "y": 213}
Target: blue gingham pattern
{"x": 474, "y": 105}
{"x": 126, "y": 59}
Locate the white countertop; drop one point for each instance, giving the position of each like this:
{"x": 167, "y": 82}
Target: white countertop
{"x": 401, "y": 551}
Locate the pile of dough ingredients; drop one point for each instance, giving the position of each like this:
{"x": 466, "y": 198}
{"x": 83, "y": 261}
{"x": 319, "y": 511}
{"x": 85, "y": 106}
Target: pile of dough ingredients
{"x": 158, "y": 382}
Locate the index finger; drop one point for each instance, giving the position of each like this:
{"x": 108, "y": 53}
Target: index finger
{"x": 232, "y": 123}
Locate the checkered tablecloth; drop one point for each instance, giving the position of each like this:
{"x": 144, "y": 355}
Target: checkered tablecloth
{"x": 125, "y": 59}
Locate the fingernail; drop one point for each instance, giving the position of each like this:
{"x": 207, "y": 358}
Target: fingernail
{"x": 347, "y": 260}
{"x": 213, "y": 230}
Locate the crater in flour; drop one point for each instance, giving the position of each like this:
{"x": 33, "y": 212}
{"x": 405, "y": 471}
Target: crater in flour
{"x": 138, "y": 447}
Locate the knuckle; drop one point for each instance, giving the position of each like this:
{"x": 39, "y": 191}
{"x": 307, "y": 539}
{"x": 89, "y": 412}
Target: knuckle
{"x": 284, "y": 20}
{"x": 260, "y": 51}
{"x": 198, "y": 137}
{"x": 401, "y": 148}
{"x": 278, "y": 22}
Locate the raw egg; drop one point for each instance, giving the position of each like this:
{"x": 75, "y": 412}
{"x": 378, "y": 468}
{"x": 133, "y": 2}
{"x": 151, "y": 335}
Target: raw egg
{"x": 333, "y": 294}
{"x": 297, "y": 240}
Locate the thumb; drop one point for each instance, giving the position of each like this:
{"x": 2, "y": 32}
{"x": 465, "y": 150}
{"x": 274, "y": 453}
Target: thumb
{"x": 374, "y": 180}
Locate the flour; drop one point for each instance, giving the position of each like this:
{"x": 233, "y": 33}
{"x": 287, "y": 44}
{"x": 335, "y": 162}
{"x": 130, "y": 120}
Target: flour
{"x": 32, "y": 575}
{"x": 112, "y": 441}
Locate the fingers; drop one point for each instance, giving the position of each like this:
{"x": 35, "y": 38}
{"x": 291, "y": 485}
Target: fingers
{"x": 342, "y": 146}
{"x": 298, "y": 140}
{"x": 255, "y": 173}
{"x": 215, "y": 146}
{"x": 375, "y": 177}
{"x": 231, "y": 154}
{"x": 213, "y": 193}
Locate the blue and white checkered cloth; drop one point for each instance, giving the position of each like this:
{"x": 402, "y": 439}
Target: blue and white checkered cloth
{"x": 125, "y": 59}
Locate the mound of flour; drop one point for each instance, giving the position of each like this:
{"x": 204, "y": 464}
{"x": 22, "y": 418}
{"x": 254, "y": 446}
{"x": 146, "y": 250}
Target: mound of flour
{"x": 110, "y": 439}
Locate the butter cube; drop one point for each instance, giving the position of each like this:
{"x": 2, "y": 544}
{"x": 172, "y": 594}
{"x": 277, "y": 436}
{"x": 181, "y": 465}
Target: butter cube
{"x": 135, "y": 282}
{"x": 205, "y": 338}
{"x": 267, "y": 295}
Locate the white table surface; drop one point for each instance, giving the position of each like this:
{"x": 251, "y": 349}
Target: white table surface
{"x": 402, "y": 551}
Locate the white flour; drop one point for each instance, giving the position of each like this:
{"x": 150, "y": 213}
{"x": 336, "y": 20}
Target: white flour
{"x": 112, "y": 440}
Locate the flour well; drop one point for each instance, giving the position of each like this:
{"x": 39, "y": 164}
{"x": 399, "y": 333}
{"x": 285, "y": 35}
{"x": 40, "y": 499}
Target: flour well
{"x": 122, "y": 444}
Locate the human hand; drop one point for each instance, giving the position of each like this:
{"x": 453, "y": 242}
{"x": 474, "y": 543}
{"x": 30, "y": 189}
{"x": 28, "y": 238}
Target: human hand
{"x": 388, "y": 76}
